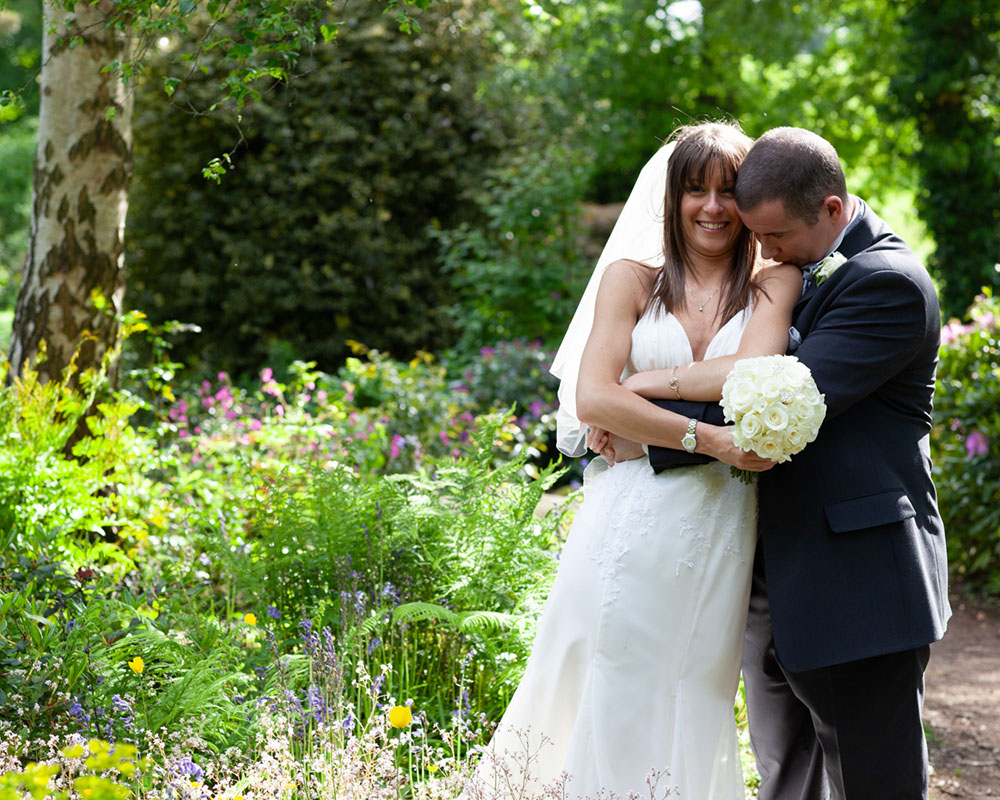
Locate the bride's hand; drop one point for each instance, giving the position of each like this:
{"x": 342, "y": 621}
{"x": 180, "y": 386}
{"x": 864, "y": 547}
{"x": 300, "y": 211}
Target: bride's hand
{"x": 717, "y": 441}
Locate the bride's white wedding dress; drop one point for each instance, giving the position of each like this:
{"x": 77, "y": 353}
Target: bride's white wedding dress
{"x": 636, "y": 661}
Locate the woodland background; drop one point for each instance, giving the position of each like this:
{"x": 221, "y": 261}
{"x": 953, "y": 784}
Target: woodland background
{"x": 299, "y": 270}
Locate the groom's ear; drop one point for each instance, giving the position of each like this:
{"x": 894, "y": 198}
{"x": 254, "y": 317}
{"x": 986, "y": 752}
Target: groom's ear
{"x": 832, "y": 208}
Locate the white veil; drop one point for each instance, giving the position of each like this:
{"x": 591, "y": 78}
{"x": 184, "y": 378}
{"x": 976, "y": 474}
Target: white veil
{"x": 638, "y": 235}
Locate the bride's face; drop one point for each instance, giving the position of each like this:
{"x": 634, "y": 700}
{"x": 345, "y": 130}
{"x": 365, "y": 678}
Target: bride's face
{"x": 708, "y": 214}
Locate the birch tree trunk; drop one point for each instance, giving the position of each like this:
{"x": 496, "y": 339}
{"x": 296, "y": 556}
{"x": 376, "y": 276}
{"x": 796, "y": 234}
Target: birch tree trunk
{"x": 83, "y": 164}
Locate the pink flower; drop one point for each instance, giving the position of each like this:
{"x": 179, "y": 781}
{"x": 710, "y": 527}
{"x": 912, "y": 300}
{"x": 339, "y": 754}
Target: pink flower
{"x": 222, "y": 377}
{"x": 976, "y": 444}
{"x": 266, "y": 375}
{"x": 208, "y": 402}
{"x": 952, "y": 331}
{"x": 255, "y": 425}
{"x": 394, "y": 449}
{"x": 321, "y": 396}
{"x": 279, "y": 410}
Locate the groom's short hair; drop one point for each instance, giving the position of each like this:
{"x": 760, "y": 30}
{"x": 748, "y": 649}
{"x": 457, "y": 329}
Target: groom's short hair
{"x": 793, "y": 165}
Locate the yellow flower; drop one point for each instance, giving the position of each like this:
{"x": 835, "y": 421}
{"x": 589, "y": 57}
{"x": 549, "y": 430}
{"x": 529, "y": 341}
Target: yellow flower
{"x": 400, "y": 716}
{"x": 432, "y": 768}
{"x": 73, "y": 752}
{"x": 136, "y": 665}
{"x": 250, "y": 619}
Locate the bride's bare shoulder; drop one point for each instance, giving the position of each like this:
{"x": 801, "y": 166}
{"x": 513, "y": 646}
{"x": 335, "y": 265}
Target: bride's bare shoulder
{"x": 636, "y": 274}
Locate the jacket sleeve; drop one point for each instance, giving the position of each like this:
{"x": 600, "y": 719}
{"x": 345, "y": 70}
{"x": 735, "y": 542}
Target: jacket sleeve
{"x": 661, "y": 458}
{"x": 867, "y": 334}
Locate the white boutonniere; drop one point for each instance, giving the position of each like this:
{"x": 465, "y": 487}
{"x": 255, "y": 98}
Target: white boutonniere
{"x": 826, "y": 267}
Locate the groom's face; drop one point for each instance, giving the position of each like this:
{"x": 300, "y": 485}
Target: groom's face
{"x": 790, "y": 238}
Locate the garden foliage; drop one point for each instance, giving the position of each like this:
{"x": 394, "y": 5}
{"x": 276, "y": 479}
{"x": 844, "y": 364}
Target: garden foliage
{"x": 946, "y": 82}
{"x": 251, "y": 549}
{"x": 320, "y": 232}
{"x": 966, "y": 444}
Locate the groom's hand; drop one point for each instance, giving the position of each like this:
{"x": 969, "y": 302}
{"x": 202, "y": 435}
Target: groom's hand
{"x": 613, "y": 447}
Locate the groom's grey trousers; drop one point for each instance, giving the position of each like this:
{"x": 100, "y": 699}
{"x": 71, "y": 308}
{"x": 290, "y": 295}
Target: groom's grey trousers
{"x": 832, "y": 732}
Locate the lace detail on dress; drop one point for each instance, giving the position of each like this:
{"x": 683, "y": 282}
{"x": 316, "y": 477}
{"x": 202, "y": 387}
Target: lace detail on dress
{"x": 720, "y": 518}
{"x": 633, "y": 483}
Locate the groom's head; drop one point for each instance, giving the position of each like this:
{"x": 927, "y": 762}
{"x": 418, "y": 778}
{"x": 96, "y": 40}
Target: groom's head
{"x": 791, "y": 192}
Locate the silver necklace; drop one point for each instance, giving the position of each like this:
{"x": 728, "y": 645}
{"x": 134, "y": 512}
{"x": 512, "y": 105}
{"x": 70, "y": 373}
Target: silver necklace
{"x": 701, "y": 305}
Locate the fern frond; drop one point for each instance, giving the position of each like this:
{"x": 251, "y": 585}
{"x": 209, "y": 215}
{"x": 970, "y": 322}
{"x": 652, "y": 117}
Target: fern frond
{"x": 414, "y": 612}
{"x": 486, "y": 621}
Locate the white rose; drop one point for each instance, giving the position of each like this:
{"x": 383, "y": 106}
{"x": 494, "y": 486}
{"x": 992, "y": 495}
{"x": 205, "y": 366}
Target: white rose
{"x": 750, "y": 425}
{"x": 795, "y": 440}
{"x": 776, "y": 417}
{"x": 770, "y": 449}
{"x": 772, "y": 387}
{"x": 741, "y": 397}
{"x": 802, "y": 414}
{"x": 827, "y": 267}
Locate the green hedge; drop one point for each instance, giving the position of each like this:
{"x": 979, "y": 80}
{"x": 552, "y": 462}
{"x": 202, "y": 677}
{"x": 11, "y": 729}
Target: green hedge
{"x": 320, "y": 231}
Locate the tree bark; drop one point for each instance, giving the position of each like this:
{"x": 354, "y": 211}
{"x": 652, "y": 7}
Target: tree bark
{"x": 83, "y": 164}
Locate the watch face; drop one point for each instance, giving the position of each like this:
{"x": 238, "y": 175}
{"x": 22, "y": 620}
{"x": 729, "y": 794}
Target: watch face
{"x": 689, "y": 442}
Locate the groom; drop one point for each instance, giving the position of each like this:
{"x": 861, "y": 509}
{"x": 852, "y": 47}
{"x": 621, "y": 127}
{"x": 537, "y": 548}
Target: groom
{"x": 850, "y": 579}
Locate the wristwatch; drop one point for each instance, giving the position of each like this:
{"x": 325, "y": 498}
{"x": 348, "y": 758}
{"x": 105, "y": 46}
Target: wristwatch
{"x": 688, "y": 440}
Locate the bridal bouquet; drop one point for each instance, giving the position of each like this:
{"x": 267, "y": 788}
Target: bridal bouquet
{"x": 776, "y": 407}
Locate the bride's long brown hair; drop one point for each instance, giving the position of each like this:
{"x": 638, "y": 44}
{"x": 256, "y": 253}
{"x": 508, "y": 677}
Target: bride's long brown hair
{"x": 698, "y": 149}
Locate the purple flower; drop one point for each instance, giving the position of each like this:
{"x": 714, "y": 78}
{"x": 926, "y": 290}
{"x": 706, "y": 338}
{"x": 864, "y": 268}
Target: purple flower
{"x": 185, "y": 766}
{"x": 273, "y": 613}
{"x": 76, "y": 709}
{"x": 349, "y": 722}
{"x": 976, "y": 444}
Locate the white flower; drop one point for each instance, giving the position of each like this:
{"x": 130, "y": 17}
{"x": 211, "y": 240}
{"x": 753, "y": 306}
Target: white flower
{"x": 776, "y": 417}
{"x": 826, "y": 267}
{"x": 771, "y": 449}
{"x": 741, "y": 398}
{"x": 750, "y": 425}
{"x": 775, "y": 404}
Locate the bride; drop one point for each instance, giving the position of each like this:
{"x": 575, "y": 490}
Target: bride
{"x": 636, "y": 661}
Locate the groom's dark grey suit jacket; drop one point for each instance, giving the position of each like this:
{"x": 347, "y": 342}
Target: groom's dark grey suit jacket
{"x": 853, "y": 544}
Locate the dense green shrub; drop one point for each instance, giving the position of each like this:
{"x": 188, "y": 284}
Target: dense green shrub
{"x": 967, "y": 444}
{"x": 521, "y": 270}
{"x": 320, "y": 231}
{"x": 946, "y": 83}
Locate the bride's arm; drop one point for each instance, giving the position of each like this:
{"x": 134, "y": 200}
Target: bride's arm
{"x": 601, "y": 401}
{"x": 766, "y": 334}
